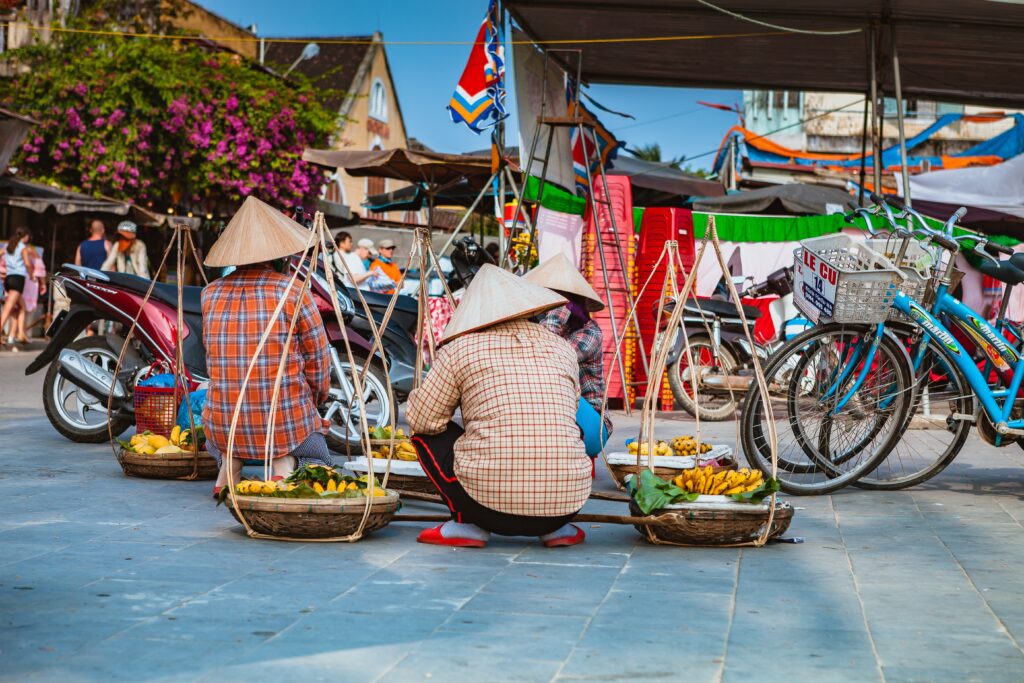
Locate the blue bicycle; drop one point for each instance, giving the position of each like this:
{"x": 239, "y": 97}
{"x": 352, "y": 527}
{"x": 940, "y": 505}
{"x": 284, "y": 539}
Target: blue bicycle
{"x": 847, "y": 395}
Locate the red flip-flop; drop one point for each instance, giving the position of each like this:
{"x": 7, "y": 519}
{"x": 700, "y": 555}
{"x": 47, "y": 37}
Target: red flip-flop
{"x": 564, "y": 541}
{"x": 433, "y": 536}
{"x": 216, "y": 491}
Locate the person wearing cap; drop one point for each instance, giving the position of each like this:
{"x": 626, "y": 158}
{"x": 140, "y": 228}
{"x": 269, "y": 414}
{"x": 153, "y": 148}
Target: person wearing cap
{"x": 236, "y": 311}
{"x": 573, "y": 323}
{"x": 365, "y": 251}
{"x": 347, "y": 263}
{"x": 129, "y": 254}
{"x": 517, "y": 466}
{"x": 385, "y": 261}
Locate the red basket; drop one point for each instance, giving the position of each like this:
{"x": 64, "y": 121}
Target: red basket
{"x": 156, "y": 409}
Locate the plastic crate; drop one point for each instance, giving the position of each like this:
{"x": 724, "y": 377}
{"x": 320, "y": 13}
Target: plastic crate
{"x": 839, "y": 279}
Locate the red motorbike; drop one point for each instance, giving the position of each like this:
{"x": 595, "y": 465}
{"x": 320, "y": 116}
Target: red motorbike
{"x": 81, "y": 374}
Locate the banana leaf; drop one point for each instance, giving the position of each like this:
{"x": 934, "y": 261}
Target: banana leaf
{"x": 653, "y": 493}
{"x": 767, "y": 488}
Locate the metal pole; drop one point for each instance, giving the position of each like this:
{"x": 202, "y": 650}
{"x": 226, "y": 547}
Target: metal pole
{"x": 468, "y": 215}
{"x": 863, "y": 153}
{"x": 876, "y": 119}
{"x": 899, "y": 116}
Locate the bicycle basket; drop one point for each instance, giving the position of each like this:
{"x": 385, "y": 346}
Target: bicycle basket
{"x": 839, "y": 279}
{"x": 916, "y": 266}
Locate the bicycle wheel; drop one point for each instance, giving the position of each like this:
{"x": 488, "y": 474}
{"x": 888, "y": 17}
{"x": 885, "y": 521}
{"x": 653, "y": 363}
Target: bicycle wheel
{"x": 822, "y": 448}
{"x": 934, "y": 433}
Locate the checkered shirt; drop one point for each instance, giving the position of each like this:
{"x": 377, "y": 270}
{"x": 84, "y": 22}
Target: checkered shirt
{"x": 587, "y": 342}
{"x": 236, "y": 310}
{"x": 518, "y": 387}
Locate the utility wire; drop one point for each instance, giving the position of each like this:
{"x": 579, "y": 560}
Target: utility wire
{"x": 787, "y": 29}
{"x": 364, "y": 41}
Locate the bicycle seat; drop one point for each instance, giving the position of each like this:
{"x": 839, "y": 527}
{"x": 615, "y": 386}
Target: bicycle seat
{"x": 1005, "y": 271}
{"x": 722, "y": 308}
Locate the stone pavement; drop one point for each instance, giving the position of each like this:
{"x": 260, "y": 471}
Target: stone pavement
{"x": 106, "y": 578}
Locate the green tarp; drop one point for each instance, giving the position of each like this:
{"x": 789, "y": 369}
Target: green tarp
{"x": 555, "y": 198}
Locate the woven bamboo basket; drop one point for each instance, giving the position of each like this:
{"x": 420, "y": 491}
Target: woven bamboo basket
{"x": 167, "y": 465}
{"x": 696, "y": 525}
{"x": 620, "y": 472}
{"x": 377, "y": 443}
{"x": 313, "y": 518}
{"x": 412, "y": 482}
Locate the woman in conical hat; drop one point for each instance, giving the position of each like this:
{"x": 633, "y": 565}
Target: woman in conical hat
{"x": 517, "y": 466}
{"x": 573, "y": 323}
{"x": 236, "y": 310}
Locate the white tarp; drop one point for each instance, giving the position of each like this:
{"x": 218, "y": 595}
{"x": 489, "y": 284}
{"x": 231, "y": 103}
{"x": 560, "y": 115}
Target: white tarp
{"x": 528, "y": 69}
{"x": 997, "y": 188}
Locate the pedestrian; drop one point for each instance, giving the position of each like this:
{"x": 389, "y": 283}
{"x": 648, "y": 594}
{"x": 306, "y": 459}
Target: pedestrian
{"x": 364, "y": 248}
{"x": 93, "y": 251}
{"x": 518, "y": 466}
{"x": 129, "y": 254}
{"x": 19, "y": 263}
{"x": 573, "y": 323}
{"x": 385, "y": 261}
{"x": 235, "y": 310}
{"x": 347, "y": 263}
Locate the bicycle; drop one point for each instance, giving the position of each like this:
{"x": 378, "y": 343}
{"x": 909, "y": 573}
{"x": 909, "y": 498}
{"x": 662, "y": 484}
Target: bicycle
{"x": 853, "y": 349}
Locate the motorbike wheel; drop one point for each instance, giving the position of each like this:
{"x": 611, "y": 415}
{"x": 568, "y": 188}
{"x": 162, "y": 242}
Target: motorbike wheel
{"x": 76, "y": 414}
{"x": 714, "y": 407}
{"x": 344, "y": 433}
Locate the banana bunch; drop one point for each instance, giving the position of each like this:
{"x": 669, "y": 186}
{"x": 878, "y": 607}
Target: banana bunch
{"x": 660, "y": 448}
{"x": 384, "y": 432}
{"x": 727, "y": 482}
{"x": 255, "y": 488}
{"x": 687, "y": 445}
{"x": 404, "y": 450}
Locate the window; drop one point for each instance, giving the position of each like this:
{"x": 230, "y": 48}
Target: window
{"x": 378, "y": 101}
{"x": 334, "y": 190}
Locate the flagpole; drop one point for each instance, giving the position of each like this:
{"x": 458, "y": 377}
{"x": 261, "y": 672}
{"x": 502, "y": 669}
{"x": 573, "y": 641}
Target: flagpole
{"x": 498, "y": 139}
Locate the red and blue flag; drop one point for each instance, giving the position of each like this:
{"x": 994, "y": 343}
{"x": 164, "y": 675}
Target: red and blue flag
{"x": 479, "y": 97}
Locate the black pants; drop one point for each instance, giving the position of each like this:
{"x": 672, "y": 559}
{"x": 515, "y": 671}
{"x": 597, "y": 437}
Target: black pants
{"x": 437, "y": 456}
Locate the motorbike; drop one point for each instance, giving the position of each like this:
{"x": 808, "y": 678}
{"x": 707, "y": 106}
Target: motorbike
{"x": 81, "y": 371}
{"x": 722, "y": 366}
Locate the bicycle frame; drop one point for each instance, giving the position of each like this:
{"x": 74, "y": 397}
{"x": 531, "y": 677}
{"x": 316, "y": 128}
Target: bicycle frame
{"x": 989, "y": 339}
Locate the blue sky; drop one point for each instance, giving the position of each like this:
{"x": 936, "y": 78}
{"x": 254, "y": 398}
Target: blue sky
{"x": 426, "y": 75}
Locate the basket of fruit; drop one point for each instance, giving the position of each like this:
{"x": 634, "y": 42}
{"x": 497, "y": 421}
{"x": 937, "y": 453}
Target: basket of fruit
{"x": 683, "y": 453}
{"x": 166, "y": 457}
{"x": 383, "y": 436}
{"x": 405, "y": 475}
{"x": 314, "y": 502}
{"x": 705, "y": 508}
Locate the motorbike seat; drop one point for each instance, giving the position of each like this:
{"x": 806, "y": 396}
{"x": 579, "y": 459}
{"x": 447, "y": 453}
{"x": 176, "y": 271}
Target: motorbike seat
{"x": 1005, "y": 271}
{"x": 725, "y": 309}
{"x": 405, "y": 304}
{"x": 191, "y": 296}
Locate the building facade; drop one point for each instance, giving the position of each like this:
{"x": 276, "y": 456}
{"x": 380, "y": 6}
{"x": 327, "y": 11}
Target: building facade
{"x": 834, "y": 122}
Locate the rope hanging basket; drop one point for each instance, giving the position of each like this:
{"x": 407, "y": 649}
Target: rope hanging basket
{"x": 306, "y": 519}
{"x": 168, "y": 465}
{"x": 730, "y": 517}
{"x": 157, "y": 408}
{"x": 707, "y": 524}
{"x": 404, "y": 477}
{"x": 663, "y": 469}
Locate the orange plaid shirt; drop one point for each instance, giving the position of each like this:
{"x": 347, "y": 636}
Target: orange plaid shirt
{"x": 518, "y": 387}
{"x": 236, "y": 310}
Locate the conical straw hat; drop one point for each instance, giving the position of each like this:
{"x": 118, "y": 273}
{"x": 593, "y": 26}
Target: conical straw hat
{"x": 558, "y": 273}
{"x": 495, "y": 296}
{"x": 257, "y": 232}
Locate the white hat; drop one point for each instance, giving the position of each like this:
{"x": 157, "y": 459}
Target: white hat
{"x": 495, "y": 296}
{"x": 559, "y": 274}
{"x": 127, "y": 227}
{"x": 257, "y": 232}
{"x": 365, "y": 243}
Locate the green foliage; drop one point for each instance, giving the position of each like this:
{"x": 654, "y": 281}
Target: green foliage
{"x": 171, "y": 122}
{"x": 653, "y": 493}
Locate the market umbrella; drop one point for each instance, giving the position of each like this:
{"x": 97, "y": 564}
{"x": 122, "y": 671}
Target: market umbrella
{"x": 432, "y": 169}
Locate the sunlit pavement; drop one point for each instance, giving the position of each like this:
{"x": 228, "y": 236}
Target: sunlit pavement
{"x": 104, "y": 577}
